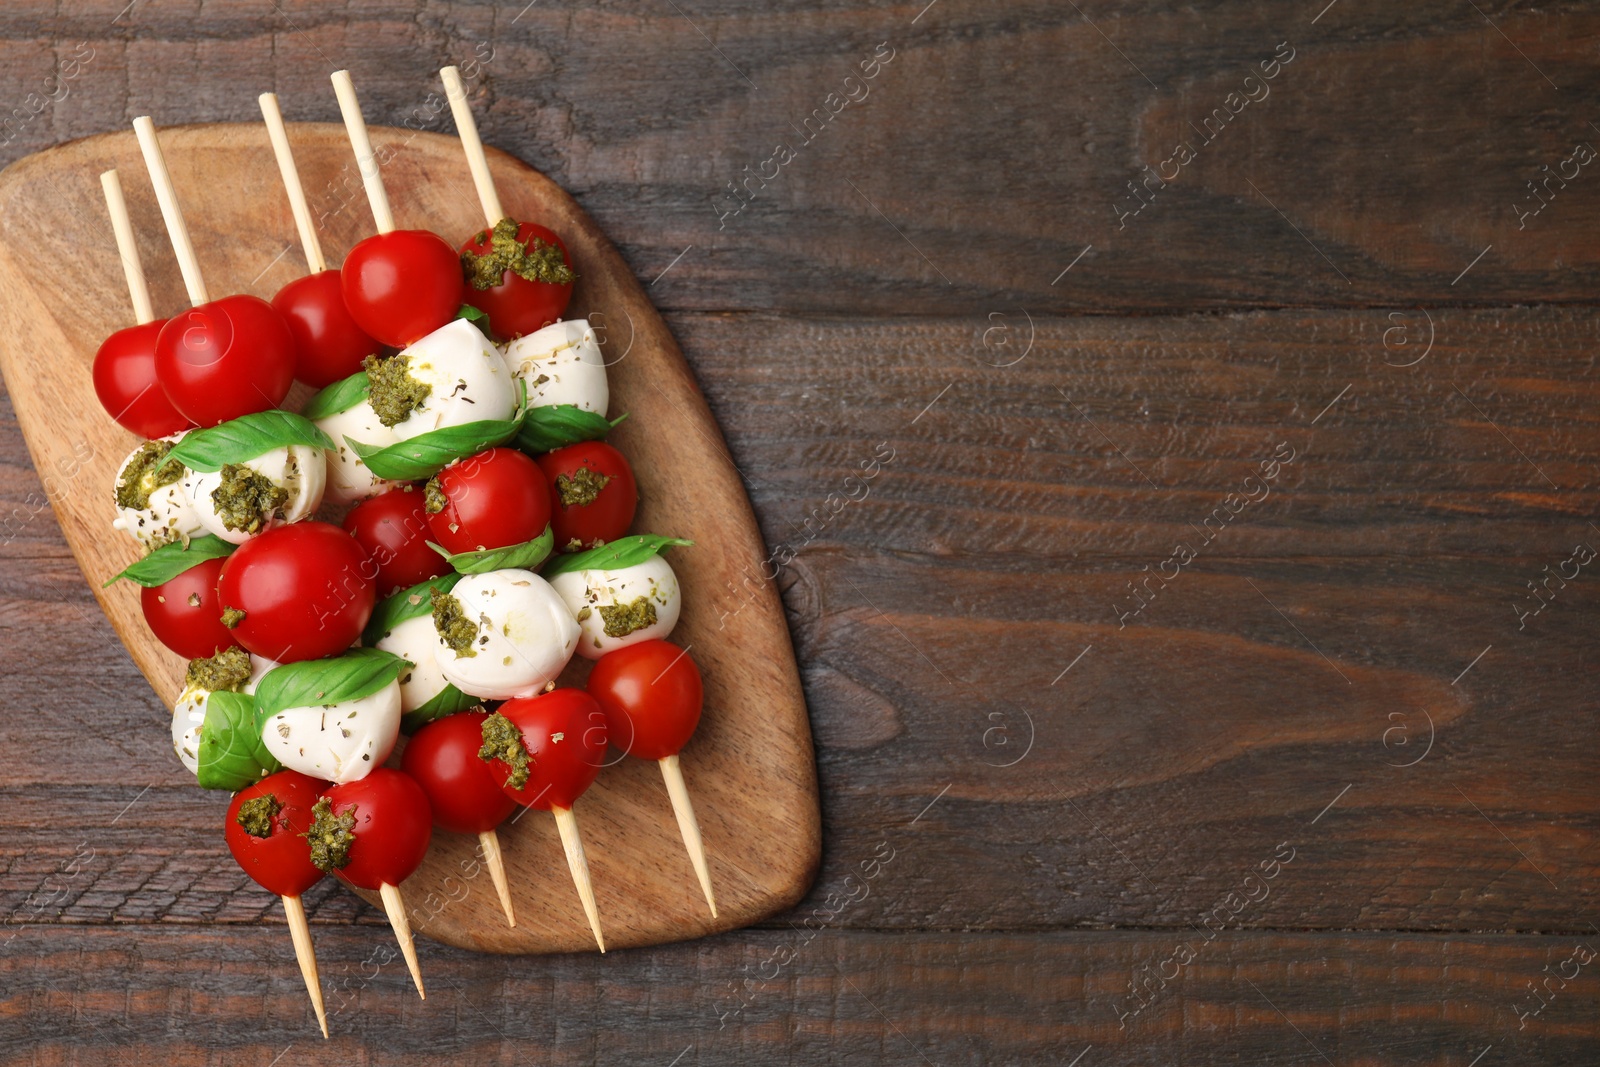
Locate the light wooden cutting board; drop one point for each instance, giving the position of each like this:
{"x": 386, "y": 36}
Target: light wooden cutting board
{"x": 749, "y": 767}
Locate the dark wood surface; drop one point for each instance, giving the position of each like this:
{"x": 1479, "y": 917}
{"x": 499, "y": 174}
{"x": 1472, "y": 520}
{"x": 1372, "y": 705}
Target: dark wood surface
{"x": 1335, "y": 691}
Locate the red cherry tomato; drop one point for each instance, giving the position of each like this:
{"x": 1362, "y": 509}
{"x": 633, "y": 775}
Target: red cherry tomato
{"x": 228, "y": 358}
{"x": 125, "y": 382}
{"x": 401, "y": 286}
{"x": 393, "y": 827}
{"x": 306, "y": 591}
{"x": 651, "y": 694}
{"x": 608, "y": 516}
{"x": 393, "y": 528}
{"x": 443, "y": 759}
{"x": 328, "y": 345}
{"x": 518, "y": 305}
{"x": 280, "y": 862}
{"x": 495, "y": 499}
{"x": 185, "y": 614}
{"x": 565, "y": 734}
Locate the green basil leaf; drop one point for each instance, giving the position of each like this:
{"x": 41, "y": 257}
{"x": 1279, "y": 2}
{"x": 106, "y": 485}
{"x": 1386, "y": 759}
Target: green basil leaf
{"x": 448, "y": 701}
{"x": 340, "y": 396}
{"x": 172, "y": 559}
{"x": 357, "y": 673}
{"x": 623, "y": 552}
{"x": 526, "y": 556}
{"x": 478, "y": 317}
{"x": 548, "y": 428}
{"x": 231, "y": 755}
{"x": 427, "y": 454}
{"x": 245, "y": 438}
{"x": 404, "y": 605}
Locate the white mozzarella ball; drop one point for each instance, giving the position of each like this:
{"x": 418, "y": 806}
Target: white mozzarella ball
{"x": 300, "y": 470}
{"x": 168, "y": 515}
{"x": 621, "y": 607}
{"x": 349, "y": 480}
{"x": 524, "y": 638}
{"x": 190, "y": 713}
{"x": 415, "y": 640}
{"x": 467, "y": 379}
{"x": 561, "y": 364}
{"x": 336, "y": 742}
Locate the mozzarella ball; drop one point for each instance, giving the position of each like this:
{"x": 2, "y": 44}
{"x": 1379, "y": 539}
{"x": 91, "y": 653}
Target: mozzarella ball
{"x": 299, "y": 470}
{"x": 466, "y": 377}
{"x": 167, "y": 514}
{"x": 336, "y": 742}
{"x": 561, "y": 364}
{"x": 621, "y": 607}
{"x": 190, "y": 713}
{"x": 415, "y": 640}
{"x": 514, "y": 634}
{"x": 349, "y": 480}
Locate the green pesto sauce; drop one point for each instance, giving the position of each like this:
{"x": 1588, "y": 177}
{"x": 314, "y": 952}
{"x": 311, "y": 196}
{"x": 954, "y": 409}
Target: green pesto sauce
{"x": 330, "y": 835}
{"x": 228, "y": 670}
{"x": 581, "y": 487}
{"x": 255, "y": 815}
{"x": 623, "y": 619}
{"x": 247, "y": 499}
{"x": 452, "y": 624}
{"x": 147, "y": 470}
{"x": 232, "y": 617}
{"x": 393, "y": 393}
{"x": 503, "y": 741}
{"x": 433, "y": 498}
{"x": 538, "y": 262}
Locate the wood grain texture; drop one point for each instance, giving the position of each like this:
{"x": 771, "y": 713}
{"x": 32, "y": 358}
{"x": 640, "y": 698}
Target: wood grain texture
{"x": 999, "y": 142}
{"x": 750, "y": 762}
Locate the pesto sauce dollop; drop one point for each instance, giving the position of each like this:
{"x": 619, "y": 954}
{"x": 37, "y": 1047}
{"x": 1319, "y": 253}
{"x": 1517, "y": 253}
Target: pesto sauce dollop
{"x": 623, "y": 619}
{"x": 330, "y": 835}
{"x": 147, "y": 470}
{"x": 255, "y": 815}
{"x": 227, "y": 671}
{"x": 538, "y": 262}
{"x": 451, "y": 623}
{"x": 581, "y": 487}
{"x": 503, "y": 741}
{"x": 391, "y": 390}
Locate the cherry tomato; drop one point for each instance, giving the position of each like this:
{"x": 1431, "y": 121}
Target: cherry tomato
{"x": 651, "y": 694}
{"x": 519, "y": 305}
{"x": 401, "y": 286}
{"x": 393, "y": 827}
{"x": 185, "y": 614}
{"x": 393, "y": 527}
{"x": 228, "y": 358}
{"x": 495, "y": 499}
{"x": 280, "y": 862}
{"x": 593, "y": 471}
{"x": 306, "y": 591}
{"x": 443, "y": 759}
{"x": 328, "y": 345}
{"x": 125, "y": 382}
{"x": 564, "y": 731}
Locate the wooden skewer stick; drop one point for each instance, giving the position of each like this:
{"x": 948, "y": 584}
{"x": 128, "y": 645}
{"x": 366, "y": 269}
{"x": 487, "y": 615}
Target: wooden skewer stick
{"x": 467, "y": 129}
{"x": 279, "y": 134}
{"x": 687, "y": 825}
{"x": 490, "y": 842}
{"x": 301, "y": 933}
{"x": 167, "y": 197}
{"x": 578, "y": 864}
{"x": 127, "y": 248}
{"x": 356, "y": 127}
{"x": 395, "y": 906}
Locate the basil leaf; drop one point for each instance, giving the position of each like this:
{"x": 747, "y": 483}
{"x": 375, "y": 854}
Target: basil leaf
{"x": 404, "y": 605}
{"x": 340, "y": 396}
{"x": 526, "y": 556}
{"x": 448, "y": 701}
{"x": 357, "y": 673}
{"x": 427, "y": 454}
{"x": 245, "y": 438}
{"x": 623, "y": 552}
{"x": 172, "y": 559}
{"x": 231, "y": 755}
{"x": 478, "y": 317}
{"x": 548, "y": 428}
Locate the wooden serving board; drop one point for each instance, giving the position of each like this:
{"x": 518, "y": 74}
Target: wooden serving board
{"x": 750, "y": 767}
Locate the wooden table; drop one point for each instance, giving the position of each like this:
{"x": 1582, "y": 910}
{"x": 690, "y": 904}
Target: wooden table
{"x": 1317, "y": 786}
